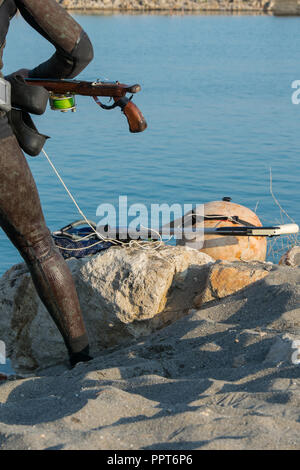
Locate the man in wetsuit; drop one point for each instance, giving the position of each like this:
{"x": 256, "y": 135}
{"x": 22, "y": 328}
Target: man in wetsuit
{"x": 21, "y": 215}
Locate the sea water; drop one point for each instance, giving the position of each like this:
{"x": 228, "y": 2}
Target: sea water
{"x": 216, "y": 92}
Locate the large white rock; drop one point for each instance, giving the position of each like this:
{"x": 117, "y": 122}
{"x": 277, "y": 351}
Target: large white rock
{"x": 124, "y": 293}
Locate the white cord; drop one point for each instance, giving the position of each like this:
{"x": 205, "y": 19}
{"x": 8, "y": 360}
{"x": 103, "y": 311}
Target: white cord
{"x": 141, "y": 244}
{"x": 74, "y": 201}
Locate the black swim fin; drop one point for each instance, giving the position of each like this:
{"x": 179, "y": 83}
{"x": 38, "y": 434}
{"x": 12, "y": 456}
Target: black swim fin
{"x": 81, "y": 356}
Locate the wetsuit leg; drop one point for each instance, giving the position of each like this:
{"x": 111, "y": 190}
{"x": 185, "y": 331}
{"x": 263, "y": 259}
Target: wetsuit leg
{"x": 22, "y": 219}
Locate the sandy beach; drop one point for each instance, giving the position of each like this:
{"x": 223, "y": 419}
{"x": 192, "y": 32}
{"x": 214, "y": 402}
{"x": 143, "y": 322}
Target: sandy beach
{"x": 220, "y": 378}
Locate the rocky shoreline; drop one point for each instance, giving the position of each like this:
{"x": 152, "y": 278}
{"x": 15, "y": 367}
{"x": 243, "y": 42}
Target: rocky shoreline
{"x": 174, "y": 5}
{"x": 276, "y": 7}
{"x": 189, "y": 354}
{"x": 125, "y": 294}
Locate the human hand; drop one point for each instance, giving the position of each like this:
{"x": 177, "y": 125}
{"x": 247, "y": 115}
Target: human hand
{"x": 21, "y": 72}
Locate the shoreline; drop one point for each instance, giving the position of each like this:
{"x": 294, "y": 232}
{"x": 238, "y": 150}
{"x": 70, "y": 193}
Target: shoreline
{"x": 208, "y": 7}
{"x": 169, "y": 10}
{"x": 153, "y": 6}
{"x": 182, "y": 11}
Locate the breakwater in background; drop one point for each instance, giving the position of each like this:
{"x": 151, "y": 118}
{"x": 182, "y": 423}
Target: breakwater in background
{"x": 277, "y": 7}
{"x": 189, "y": 5}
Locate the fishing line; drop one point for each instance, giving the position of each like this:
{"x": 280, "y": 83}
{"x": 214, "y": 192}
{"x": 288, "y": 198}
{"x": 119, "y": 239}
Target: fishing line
{"x": 74, "y": 201}
{"x": 141, "y": 244}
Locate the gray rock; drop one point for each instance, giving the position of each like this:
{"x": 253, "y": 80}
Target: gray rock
{"x": 125, "y": 293}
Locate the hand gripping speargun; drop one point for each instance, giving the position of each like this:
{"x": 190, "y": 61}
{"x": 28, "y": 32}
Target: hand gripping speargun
{"x": 62, "y": 97}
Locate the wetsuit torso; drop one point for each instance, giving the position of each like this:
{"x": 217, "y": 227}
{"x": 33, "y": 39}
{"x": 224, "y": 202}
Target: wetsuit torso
{"x": 73, "y": 48}
{"x": 21, "y": 215}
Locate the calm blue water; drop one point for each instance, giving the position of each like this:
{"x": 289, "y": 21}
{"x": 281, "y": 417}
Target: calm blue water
{"x": 217, "y": 98}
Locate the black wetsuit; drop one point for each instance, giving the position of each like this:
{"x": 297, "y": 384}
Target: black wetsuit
{"x": 21, "y": 215}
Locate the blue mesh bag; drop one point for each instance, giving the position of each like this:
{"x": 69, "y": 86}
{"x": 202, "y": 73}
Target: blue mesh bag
{"x": 75, "y": 241}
